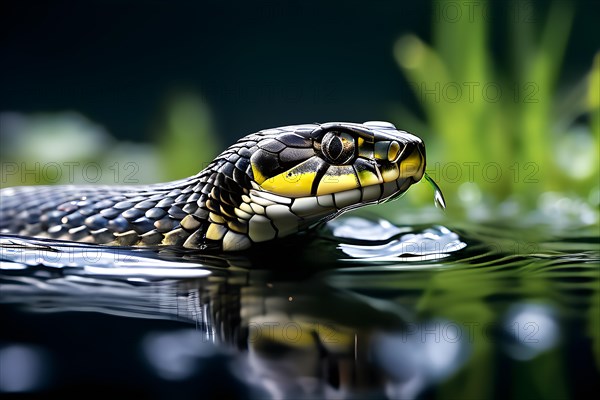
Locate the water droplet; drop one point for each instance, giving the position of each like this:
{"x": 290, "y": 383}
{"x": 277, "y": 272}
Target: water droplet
{"x": 438, "y": 198}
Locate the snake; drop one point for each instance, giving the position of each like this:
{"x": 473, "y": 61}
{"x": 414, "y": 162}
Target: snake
{"x": 268, "y": 185}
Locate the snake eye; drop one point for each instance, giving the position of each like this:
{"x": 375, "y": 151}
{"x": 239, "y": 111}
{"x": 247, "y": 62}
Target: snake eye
{"x": 338, "y": 147}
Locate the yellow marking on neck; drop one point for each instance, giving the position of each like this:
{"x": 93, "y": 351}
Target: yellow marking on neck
{"x": 295, "y": 182}
{"x": 258, "y": 177}
{"x": 290, "y": 184}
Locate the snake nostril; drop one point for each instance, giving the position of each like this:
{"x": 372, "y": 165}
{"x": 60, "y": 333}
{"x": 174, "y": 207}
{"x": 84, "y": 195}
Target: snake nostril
{"x": 388, "y": 150}
{"x": 394, "y": 151}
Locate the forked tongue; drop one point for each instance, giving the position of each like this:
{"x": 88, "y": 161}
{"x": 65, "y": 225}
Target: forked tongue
{"x": 438, "y": 197}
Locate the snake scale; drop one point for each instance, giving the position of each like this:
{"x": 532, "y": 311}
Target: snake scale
{"x": 268, "y": 185}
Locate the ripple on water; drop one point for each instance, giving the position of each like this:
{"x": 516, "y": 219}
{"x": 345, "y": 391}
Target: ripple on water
{"x": 380, "y": 241}
{"x": 18, "y": 253}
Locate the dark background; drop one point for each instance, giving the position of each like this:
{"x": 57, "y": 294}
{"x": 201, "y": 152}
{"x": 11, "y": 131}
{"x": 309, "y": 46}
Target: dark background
{"x": 257, "y": 64}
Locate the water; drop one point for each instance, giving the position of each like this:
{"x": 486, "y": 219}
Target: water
{"x": 458, "y": 311}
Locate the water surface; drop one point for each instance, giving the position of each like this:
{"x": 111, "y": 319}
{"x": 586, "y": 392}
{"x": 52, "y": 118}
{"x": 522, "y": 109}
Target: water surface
{"x": 461, "y": 311}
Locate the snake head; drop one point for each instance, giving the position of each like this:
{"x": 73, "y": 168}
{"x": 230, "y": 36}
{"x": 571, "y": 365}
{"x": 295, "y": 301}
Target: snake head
{"x": 305, "y": 174}
{"x": 372, "y": 161}
{"x": 277, "y": 182}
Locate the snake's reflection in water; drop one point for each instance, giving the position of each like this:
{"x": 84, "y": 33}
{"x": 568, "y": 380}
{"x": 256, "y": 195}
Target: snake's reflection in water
{"x": 263, "y": 322}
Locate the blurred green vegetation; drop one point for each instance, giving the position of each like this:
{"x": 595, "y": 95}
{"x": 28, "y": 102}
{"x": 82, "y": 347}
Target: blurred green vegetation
{"x": 497, "y": 130}
{"x": 187, "y": 142}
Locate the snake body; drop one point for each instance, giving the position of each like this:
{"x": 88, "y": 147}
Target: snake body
{"x": 268, "y": 185}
